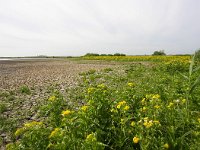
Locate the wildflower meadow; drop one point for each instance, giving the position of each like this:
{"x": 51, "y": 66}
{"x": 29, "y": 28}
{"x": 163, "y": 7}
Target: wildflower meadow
{"x": 149, "y": 103}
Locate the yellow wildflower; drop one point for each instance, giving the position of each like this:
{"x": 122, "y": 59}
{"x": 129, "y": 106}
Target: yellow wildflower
{"x": 19, "y": 131}
{"x": 147, "y": 123}
{"x": 84, "y": 108}
{"x": 144, "y": 109}
{"x": 198, "y": 120}
{"x": 122, "y": 121}
{"x": 113, "y": 110}
{"x": 120, "y": 104}
{"x": 66, "y": 112}
{"x": 32, "y": 124}
{"x": 150, "y": 123}
{"x": 90, "y": 90}
{"x": 52, "y": 98}
{"x": 136, "y": 140}
{"x": 132, "y": 123}
{"x": 170, "y": 105}
{"x": 143, "y": 101}
{"x": 126, "y": 107}
{"x": 166, "y": 146}
{"x": 183, "y": 101}
{"x": 157, "y": 106}
{"x": 91, "y": 137}
{"x": 156, "y": 96}
{"x": 54, "y": 132}
{"x": 101, "y": 86}
{"x": 131, "y": 84}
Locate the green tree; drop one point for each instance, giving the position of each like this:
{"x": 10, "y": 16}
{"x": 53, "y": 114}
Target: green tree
{"x": 160, "y": 52}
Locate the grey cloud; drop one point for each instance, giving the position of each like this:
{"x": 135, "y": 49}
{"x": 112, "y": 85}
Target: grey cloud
{"x": 65, "y": 27}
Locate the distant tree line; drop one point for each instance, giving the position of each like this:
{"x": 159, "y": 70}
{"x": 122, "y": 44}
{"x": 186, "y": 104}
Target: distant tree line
{"x": 95, "y": 54}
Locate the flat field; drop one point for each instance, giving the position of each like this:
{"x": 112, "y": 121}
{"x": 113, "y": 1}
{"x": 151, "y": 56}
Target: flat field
{"x": 100, "y": 103}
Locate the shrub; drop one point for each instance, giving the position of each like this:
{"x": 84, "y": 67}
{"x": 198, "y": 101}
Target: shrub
{"x": 161, "y": 52}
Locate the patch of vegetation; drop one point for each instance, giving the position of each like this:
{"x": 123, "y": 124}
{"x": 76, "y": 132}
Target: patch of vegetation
{"x": 25, "y": 89}
{"x": 2, "y": 107}
{"x": 108, "y": 70}
{"x": 138, "y": 107}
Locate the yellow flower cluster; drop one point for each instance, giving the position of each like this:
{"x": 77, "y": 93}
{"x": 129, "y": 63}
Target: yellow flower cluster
{"x": 143, "y": 109}
{"x": 156, "y": 96}
{"x": 19, "y": 131}
{"x": 152, "y": 96}
{"x": 183, "y": 101}
{"x": 84, "y": 108}
{"x": 157, "y": 106}
{"x": 101, "y": 86}
{"x": 126, "y": 107}
{"x": 123, "y": 103}
{"x": 90, "y": 90}
{"x": 52, "y": 98}
{"x": 147, "y": 123}
{"x": 170, "y": 105}
{"x": 54, "y": 132}
{"x": 91, "y": 137}
{"x": 32, "y": 124}
{"x": 141, "y": 58}
{"x": 66, "y": 112}
{"x": 131, "y": 84}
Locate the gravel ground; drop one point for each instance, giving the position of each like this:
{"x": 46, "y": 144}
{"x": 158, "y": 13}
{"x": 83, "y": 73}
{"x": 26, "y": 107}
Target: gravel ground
{"x": 38, "y": 75}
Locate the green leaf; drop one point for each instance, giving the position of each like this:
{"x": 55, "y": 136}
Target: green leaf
{"x": 197, "y": 81}
{"x": 184, "y": 76}
{"x": 191, "y": 65}
{"x": 196, "y": 69}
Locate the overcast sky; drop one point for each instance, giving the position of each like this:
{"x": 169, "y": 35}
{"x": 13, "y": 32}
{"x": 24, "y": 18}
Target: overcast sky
{"x": 76, "y": 27}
